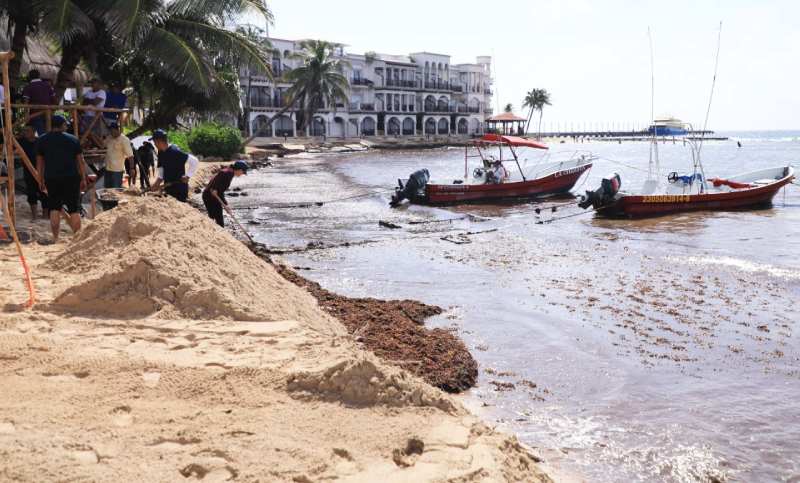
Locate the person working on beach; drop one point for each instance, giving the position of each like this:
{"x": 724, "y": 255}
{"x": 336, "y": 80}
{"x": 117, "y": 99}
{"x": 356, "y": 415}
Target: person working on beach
{"x": 38, "y": 92}
{"x": 60, "y": 164}
{"x": 214, "y": 193}
{"x": 147, "y": 160}
{"x": 34, "y": 194}
{"x": 115, "y": 99}
{"x": 175, "y": 167}
{"x": 119, "y": 155}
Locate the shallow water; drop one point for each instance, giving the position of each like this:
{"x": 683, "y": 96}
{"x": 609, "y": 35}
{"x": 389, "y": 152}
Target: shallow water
{"x": 653, "y": 350}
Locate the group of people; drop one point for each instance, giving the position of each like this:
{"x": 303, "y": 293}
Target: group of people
{"x": 64, "y": 173}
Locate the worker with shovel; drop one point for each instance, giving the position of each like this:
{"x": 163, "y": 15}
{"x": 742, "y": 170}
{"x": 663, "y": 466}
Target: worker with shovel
{"x": 214, "y": 193}
{"x": 175, "y": 167}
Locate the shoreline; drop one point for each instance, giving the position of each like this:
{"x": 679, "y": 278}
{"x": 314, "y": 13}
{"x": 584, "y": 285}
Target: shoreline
{"x": 140, "y": 362}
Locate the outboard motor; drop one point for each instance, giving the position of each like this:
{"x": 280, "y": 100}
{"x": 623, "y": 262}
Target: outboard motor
{"x": 603, "y": 195}
{"x": 413, "y": 189}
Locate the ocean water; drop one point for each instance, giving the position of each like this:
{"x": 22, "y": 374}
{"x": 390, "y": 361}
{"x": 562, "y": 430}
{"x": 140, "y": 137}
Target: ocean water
{"x": 650, "y": 350}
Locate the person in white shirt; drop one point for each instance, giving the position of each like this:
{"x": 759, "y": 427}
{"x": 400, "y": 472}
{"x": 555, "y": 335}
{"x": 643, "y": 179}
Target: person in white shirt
{"x": 498, "y": 173}
{"x": 95, "y": 97}
{"x": 119, "y": 153}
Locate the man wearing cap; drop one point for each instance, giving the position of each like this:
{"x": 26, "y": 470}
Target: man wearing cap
{"x": 119, "y": 155}
{"x": 59, "y": 161}
{"x": 214, "y": 194}
{"x": 175, "y": 167}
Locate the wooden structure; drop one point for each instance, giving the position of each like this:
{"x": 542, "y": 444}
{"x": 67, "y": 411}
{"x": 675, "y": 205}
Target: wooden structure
{"x": 507, "y": 123}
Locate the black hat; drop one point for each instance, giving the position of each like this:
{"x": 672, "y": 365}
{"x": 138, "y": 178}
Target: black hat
{"x": 59, "y": 120}
{"x": 159, "y": 134}
{"x": 240, "y": 166}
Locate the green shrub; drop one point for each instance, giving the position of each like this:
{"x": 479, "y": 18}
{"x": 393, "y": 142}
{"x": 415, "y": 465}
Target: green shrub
{"x": 180, "y": 138}
{"x": 215, "y": 140}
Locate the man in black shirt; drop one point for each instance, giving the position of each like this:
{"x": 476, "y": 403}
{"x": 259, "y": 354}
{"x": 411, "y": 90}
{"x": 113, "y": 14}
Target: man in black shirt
{"x": 214, "y": 194}
{"x": 59, "y": 161}
{"x": 173, "y": 172}
{"x": 35, "y": 196}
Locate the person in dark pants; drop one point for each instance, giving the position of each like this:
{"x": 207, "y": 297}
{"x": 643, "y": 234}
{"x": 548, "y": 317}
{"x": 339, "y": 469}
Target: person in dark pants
{"x": 32, "y": 191}
{"x": 175, "y": 167}
{"x": 60, "y": 164}
{"x": 214, "y": 193}
{"x": 147, "y": 160}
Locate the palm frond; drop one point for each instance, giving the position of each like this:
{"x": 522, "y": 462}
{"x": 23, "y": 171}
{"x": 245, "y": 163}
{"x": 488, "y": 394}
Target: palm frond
{"x": 65, "y": 20}
{"x": 169, "y": 54}
{"x": 221, "y": 9}
{"x": 228, "y": 46}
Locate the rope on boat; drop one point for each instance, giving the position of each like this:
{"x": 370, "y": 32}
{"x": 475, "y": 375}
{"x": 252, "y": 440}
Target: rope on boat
{"x": 312, "y": 204}
{"x": 542, "y": 222}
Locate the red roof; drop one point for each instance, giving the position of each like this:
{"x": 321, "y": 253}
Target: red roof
{"x": 506, "y": 117}
{"x": 513, "y": 141}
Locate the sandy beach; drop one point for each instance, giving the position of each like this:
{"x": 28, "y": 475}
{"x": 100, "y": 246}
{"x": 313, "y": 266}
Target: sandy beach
{"x": 161, "y": 349}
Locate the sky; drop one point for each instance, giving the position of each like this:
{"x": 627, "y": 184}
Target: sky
{"x": 592, "y": 56}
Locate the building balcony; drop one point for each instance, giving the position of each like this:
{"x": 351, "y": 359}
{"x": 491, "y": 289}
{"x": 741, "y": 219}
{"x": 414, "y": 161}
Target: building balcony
{"x": 406, "y": 84}
{"x": 361, "y": 107}
{"x": 444, "y": 86}
{"x": 362, "y": 82}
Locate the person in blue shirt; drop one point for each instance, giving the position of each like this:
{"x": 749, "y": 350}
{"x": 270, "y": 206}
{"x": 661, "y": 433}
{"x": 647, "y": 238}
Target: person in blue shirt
{"x": 115, "y": 99}
{"x": 174, "y": 167}
{"x": 59, "y": 161}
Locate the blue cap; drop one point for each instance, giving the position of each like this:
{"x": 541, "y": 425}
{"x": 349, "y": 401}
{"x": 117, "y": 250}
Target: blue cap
{"x": 113, "y": 125}
{"x": 159, "y": 134}
{"x": 240, "y": 166}
{"x": 59, "y": 120}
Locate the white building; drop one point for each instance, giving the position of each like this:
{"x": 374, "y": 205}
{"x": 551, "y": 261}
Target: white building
{"x": 416, "y": 94}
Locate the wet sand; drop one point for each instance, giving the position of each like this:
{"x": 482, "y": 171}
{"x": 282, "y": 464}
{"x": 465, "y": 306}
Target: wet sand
{"x": 659, "y": 349}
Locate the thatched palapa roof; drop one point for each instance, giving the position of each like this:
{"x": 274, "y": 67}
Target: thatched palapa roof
{"x": 40, "y": 55}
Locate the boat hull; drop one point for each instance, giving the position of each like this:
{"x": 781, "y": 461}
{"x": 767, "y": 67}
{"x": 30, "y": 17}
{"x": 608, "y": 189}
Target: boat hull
{"x": 641, "y": 206}
{"x": 555, "y": 183}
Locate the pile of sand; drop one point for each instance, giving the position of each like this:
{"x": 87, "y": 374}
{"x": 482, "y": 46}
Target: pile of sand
{"x": 158, "y": 257}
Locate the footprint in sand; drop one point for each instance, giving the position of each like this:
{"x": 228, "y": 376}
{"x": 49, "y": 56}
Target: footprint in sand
{"x": 121, "y": 416}
{"x": 151, "y": 379}
{"x": 199, "y": 472}
{"x": 83, "y": 454}
{"x": 7, "y": 427}
{"x": 173, "y": 445}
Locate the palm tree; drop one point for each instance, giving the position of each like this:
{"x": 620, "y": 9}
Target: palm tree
{"x": 318, "y": 82}
{"x": 535, "y": 100}
{"x": 509, "y": 107}
{"x": 182, "y": 40}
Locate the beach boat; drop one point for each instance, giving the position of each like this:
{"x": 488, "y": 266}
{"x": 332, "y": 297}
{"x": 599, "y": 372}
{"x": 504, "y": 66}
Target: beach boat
{"x": 755, "y": 189}
{"x": 668, "y": 126}
{"x": 539, "y": 180}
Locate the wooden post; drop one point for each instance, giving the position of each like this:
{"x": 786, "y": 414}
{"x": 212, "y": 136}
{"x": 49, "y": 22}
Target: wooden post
{"x": 48, "y": 121}
{"x": 8, "y": 133}
{"x": 75, "y": 123}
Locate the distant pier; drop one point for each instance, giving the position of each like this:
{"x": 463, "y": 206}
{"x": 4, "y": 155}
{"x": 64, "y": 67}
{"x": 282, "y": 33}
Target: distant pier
{"x": 630, "y": 136}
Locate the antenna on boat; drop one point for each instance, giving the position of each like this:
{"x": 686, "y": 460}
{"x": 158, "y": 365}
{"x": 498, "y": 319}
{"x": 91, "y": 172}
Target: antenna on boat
{"x": 654, "y": 166}
{"x": 711, "y": 95}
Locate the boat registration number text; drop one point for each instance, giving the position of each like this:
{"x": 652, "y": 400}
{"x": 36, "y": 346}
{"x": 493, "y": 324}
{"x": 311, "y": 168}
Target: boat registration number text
{"x": 666, "y": 199}
{"x": 568, "y": 172}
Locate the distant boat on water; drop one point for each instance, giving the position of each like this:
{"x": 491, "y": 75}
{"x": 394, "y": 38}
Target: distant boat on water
{"x": 668, "y": 126}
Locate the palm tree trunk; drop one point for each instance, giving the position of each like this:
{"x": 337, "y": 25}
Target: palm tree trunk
{"x": 71, "y": 55}
{"x": 528, "y": 124}
{"x": 19, "y": 42}
{"x": 539, "y": 137}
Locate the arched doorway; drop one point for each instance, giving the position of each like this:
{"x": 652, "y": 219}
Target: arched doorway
{"x": 338, "y": 128}
{"x": 393, "y": 127}
{"x": 463, "y": 128}
{"x": 260, "y": 127}
{"x": 444, "y": 126}
{"x": 430, "y": 104}
{"x": 368, "y": 127}
{"x": 430, "y": 126}
{"x": 317, "y": 127}
{"x": 408, "y": 126}
{"x": 474, "y": 126}
{"x": 442, "y": 105}
{"x": 283, "y": 126}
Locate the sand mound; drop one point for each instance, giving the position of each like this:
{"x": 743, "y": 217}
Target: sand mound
{"x": 156, "y": 256}
{"x": 363, "y": 383}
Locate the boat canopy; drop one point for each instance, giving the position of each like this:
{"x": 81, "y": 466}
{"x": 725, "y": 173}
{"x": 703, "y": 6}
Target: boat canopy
{"x": 512, "y": 141}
